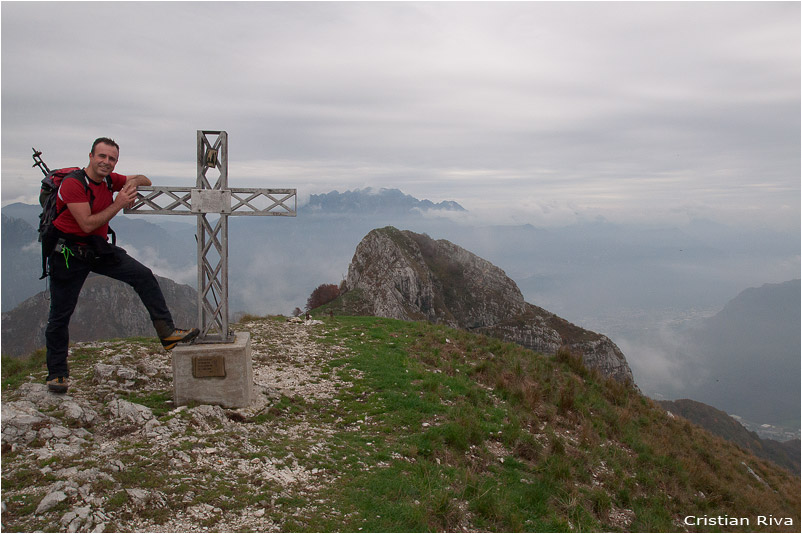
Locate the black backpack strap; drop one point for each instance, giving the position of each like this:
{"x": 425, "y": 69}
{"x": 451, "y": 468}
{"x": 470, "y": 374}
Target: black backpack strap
{"x": 50, "y": 238}
{"x": 111, "y": 232}
{"x": 48, "y": 247}
{"x": 79, "y": 175}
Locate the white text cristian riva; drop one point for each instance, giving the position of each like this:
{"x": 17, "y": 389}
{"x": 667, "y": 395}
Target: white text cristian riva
{"x": 725, "y": 520}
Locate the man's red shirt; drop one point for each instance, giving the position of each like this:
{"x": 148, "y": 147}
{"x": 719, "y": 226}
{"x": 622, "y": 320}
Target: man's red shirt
{"x": 72, "y": 191}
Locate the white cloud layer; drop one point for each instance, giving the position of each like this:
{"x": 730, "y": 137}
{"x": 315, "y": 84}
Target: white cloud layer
{"x": 527, "y": 111}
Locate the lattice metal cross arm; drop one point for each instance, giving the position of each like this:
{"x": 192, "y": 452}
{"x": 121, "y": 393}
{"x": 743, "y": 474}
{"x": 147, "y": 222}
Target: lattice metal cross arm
{"x": 163, "y": 201}
{"x": 263, "y": 201}
{"x": 234, "y": 201}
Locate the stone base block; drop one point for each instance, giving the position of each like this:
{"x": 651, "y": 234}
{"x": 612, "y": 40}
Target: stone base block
{"x": 214, "y": 373}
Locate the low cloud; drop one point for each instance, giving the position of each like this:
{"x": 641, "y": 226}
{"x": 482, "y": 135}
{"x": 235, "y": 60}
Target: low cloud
{"x": 149, "y": 257}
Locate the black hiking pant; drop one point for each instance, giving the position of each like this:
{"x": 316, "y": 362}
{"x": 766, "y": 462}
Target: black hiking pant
{"x": 67, "y": 276}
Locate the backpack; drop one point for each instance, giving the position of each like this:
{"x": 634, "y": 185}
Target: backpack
{"x": 48, "y": 194}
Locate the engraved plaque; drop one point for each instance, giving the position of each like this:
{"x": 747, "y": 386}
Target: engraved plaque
{"x": 210, "y": 201}
{"x": 208, "y": 366}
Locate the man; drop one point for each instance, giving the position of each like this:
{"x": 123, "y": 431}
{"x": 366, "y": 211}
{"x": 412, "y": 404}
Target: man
{"x": 83, "y": 247}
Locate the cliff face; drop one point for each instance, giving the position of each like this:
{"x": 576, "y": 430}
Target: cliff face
{"x": 106, "y": 309}
{"x": 409, "y": 276}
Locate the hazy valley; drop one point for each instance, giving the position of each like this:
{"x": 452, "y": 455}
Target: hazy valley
{"x": 644, "y": 287}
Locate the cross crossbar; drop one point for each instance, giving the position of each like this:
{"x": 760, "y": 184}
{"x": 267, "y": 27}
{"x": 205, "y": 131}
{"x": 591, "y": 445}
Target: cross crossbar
{"x": 178, "y": 201}
{"x": 220, "y": 201}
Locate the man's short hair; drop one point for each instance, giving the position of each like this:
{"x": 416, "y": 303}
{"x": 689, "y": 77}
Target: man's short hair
{"x": 105, "y": 141}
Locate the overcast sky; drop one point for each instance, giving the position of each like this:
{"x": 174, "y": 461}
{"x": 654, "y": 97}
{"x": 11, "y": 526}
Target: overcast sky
{"x": 530, "y": 112}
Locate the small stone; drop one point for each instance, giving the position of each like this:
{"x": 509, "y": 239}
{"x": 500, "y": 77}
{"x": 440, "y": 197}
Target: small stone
{"x": 130, "y": 412}
{"x": 126, "y": 373}
{"x": 60, "y": 432}
{"x": 75, "y": 525}
{"x": 67, "y": 518}
{"x": 81, "y": 433}
{"x": 50, "y": 501}
{"x": 138, "y": 497}
{"x": 151, "y": 425}
{"x": 116, "y": 465}
{"x": 76, "y": 412}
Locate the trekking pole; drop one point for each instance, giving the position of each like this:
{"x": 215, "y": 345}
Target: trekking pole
{"x": 38, "y": 162}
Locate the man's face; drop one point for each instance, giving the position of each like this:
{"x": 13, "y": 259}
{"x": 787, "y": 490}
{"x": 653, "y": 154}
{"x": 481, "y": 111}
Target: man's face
{"x": 103, "y": 159}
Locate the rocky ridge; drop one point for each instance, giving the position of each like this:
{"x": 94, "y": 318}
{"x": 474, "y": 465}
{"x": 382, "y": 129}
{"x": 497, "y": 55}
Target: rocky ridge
{"x": 106, "y": 309}
{"x": 409, "y": 276}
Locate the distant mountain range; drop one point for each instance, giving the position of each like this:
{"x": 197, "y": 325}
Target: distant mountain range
{"x": 748, "y": 355}
{"x": 371, "y": 201}
{"x": 22, "y": 261}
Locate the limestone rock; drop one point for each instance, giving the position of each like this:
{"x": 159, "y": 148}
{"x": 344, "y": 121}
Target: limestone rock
{"x": 130, "y": 412}
{"x": 50, "y": 501}
{"x": 21, "y": 421}
{"x": 409, "y": 276}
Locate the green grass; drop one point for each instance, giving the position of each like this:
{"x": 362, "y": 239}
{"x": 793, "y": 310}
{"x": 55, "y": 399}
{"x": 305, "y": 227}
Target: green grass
{"x": 16, "y": 370}
{"x": 418, "y": 373}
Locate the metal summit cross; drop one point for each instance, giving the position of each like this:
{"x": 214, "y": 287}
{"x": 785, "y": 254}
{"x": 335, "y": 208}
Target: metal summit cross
{"x": 208, "y": 200}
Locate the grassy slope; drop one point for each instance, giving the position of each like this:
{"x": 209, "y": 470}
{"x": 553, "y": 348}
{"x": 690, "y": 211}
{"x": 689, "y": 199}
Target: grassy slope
{"x": 445, "y": 430}
{"x": 580, "y": 452}
{"x": 785, "y": 454}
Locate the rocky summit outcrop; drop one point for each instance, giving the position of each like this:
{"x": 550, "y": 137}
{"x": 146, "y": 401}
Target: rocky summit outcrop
{"x": 410, "y": 276}
{"x": 106, "y": 309}
{"x": 116, "y": 455}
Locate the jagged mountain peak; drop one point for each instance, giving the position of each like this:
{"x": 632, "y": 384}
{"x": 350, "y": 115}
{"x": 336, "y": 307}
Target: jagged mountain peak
{"x": 410, "y": 276}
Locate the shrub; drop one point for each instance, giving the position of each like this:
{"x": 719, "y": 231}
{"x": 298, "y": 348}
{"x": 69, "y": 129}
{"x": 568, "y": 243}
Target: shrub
{"x": 323, "y": 294}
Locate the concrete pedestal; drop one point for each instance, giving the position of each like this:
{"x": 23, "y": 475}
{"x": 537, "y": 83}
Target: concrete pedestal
{"x": 214, "y": 373}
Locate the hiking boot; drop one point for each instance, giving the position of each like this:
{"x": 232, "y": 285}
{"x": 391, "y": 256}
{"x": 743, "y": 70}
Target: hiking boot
{"x": 58, "y": 385}
{"x": 179, "y": 336}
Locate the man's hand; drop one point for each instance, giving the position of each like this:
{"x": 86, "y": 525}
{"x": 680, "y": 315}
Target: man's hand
{"x": 127, "y": 195}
